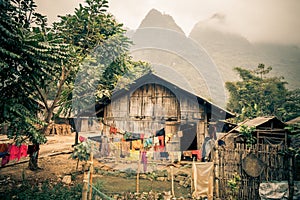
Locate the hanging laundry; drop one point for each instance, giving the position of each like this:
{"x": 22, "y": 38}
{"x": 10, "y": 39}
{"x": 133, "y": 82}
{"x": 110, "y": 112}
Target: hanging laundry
{"x": 144, "y": 160}
{"x": 116, "y": 139}
{"x": 3, "y": 154}
{"x": 187, "y": 154}
{"x": 113, "y": 130}
{"x": 132, "y": 136}
{"x": 136, "y": 136}
{"x": 16, "y": 152}
{"x": 161, "y": 141}
{"x": 137, "y": 144}
{"x": 148, "y": 143}
{"x": 5, "y": 159}
{"x": 3, "y": 148}
{"x": 155, "y": 141}
{"x": 134, "y": 155}
{"x": 160, "y": 132}
{"x": 125, "y": 149}
{"x": 142, "y": 136}
{"x": 197, "y": 153}
{"x": 127, "y": 135}
{"x": 23, "y": 151}
{"x": 168, "y": 137}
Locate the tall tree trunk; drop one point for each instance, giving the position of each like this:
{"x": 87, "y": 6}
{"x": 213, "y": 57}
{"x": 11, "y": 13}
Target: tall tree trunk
{"x": 33, "y": 151}
{"x": 33, "y": 160}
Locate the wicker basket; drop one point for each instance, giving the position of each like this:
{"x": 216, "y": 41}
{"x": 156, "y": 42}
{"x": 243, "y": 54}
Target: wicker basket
{"x": 252, "y": 165}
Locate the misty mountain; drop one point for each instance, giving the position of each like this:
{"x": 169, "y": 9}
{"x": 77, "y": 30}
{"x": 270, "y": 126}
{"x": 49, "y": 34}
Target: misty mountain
{"x": 203, "y": 61}
{"x": 154, "y": 18}
{"x": 230, "y": 50}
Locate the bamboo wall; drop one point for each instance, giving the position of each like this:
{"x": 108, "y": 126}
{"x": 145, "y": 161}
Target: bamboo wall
{"x": 229, "y": 162}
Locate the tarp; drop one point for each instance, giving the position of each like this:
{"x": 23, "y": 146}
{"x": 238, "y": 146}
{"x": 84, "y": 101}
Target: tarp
{"x": 278, "y": 190}
{"x": 203, "y": 177}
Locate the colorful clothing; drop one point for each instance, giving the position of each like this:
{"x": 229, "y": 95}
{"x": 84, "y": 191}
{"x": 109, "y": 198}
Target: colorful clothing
{"x": 113, "y": 130}
{"x": 144, "y": 160}
{"x": 136, "y": 144}
{"x": 16, "y": 152}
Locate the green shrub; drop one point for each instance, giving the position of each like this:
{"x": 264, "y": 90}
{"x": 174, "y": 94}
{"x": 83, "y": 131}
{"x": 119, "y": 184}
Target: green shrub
{"x": 46, "y": 191}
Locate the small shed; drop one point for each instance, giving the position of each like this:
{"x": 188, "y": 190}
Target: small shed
{"x": 255, "y": 162}
{"x": 268, "y": 130}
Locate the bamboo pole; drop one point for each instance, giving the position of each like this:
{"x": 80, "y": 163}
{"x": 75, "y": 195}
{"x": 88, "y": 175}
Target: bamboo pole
{"x": 91, "y": 173}
{"x": 172, "y": 181}
{"x": 85, "y": 183}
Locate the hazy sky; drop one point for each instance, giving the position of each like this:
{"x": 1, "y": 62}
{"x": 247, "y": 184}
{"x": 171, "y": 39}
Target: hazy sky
{"x": 257, "y": 20}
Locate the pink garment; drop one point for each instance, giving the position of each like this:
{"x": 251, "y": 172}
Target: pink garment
{"x": 142, "y": 136}
{"x": 23, "y": 151}
{"x": 82, "y": 139}
{"x": 16, "y": 152}
{"x": 144, "y": 160}
{"x": 161, "y": 141}
{"x": 198, "y": 153}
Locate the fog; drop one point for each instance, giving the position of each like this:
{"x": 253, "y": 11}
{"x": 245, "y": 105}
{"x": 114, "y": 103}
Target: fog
{"x": 275, "y": 21}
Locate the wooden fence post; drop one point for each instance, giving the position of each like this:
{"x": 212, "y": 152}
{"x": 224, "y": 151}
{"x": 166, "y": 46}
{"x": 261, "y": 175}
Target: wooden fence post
{"x": 172, "y": 181}
{"x": 291, "y": 177}
{"x": 138, "y": 174}
{"x": 91, "y": 172}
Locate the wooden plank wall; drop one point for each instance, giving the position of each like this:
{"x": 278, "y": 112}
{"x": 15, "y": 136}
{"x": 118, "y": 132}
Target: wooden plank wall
{"x": 149, "y": 108}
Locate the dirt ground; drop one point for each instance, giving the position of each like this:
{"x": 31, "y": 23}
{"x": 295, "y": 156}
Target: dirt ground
{"x": 55, "y": 163}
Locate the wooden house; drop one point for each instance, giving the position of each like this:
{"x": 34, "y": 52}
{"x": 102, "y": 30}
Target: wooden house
{"x": 153, "y": 103}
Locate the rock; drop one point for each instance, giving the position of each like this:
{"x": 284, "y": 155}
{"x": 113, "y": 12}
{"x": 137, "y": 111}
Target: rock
{"x": 67, "y": 179}
{"x": 167, "y": 195}
{"x": 143, "y": 176}
{"x": 181, "y": 173}
{"x": 180, "y": 178}
{"x": 161, "y": 178}
{"x": 181, "y": 183}
{"x": 106, "y": 168}
{"x": 123, "y": 175}
{"x": 162, "y": 173}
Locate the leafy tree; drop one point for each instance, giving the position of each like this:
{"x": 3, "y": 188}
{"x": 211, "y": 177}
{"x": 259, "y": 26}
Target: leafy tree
{"x": 26, "y": 61}
{"x": 28, "y": 57}
{"x": 291, "y": 107}
{"x": 247, "y": 133}
{"x": 98, "y": 59}
{"x": 256, "y": 94}
{"x": 39, "y": 63}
